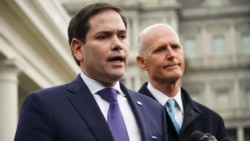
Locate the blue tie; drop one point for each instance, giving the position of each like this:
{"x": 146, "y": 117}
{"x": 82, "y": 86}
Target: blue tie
{"x": 171, "y": 106}
{"x": 115, "y": 120}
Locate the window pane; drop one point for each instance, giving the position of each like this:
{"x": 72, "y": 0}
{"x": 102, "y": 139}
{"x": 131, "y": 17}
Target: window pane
{"x": 247, "y": 133}
{"x": 222, "y": 100}
{"x": 196, "y": 97}
{"x": 246, "y": 44}
{"x": 247, "y": 97}
{"x": 190, "y": 48}
{"x": 218, "y": 46}
{"x": 232, "y": 133}
{"x": 215, "y": 2}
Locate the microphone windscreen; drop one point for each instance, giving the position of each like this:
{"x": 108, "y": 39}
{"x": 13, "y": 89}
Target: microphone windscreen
{"x": 211, "y": 137}
{"x": 197, "y": 136}
{"x": 226, "y": 139}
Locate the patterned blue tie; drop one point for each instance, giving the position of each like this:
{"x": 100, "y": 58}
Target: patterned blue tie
{"x": 171, "y": 106}
{"x": 115, "y": 119}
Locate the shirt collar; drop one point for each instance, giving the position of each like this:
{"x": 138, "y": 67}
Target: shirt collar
{"x": 162, "y": 98}
{"x": 95, "y": 86}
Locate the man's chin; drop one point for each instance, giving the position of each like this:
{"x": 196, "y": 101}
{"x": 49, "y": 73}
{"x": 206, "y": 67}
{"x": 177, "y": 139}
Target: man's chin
{"x": 174, "y": 78}
{"x": 173, "y": 74}
{"x": 117, "y": 75}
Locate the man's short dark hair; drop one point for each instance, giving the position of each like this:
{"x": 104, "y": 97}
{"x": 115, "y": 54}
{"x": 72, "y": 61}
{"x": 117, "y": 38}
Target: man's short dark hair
{"x": 79, "y": 24}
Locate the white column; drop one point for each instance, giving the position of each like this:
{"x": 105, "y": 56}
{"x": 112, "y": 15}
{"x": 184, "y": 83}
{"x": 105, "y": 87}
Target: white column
{"x": 240, "y": 134}
{"x": 127, "y": 81}
{"x": 174, "y": 21}
{"x": 205, "y": 41}
{"x": 208, "y": 97}
{"x": 237, "y": 95}
{"x": 232, "y": 43}
{"x": 8, "y": 100}
{"x": 135, "y": 32}
{"x": 137, "y": 78}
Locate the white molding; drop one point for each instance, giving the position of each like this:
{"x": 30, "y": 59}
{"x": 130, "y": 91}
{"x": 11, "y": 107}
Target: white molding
{"x": 206, "y": 12}
{"x": 22, "y": 64}
{"x": 52, "y": 21}
{"x": 34, "y": 33}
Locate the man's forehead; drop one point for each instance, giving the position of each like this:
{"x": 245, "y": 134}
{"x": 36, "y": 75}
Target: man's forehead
{"x": 107, "y": 23}
{"x": 156, "y": 28}
{"x": 107, "y": 17}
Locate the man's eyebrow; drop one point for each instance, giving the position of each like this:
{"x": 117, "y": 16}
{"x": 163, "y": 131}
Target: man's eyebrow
{"x": 103, "y": 31}
{"x": 123, "y": 31}
{"x": 108, "y": 31}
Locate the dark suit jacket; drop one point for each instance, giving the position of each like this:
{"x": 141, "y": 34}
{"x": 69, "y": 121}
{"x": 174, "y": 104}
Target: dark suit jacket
{"x": 196, "y": 117}
{"x": 70, "y": 113}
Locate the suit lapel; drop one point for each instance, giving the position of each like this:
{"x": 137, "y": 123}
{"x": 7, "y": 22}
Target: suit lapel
{"x": 190, "y": 112}
{"x": 189, "y": 116}
{"x": 83, "y": 101}
{"x": 144, "y": 90}
{"x": 139, "y": 112}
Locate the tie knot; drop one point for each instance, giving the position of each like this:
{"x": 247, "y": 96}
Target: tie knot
{"x": 108, "y": 94}
{"x": 171, "y": 104}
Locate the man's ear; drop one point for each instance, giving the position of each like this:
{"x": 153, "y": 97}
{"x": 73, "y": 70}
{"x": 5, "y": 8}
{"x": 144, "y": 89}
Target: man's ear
{"x": 141, "y": 62}
{"x": 76, "y": 48}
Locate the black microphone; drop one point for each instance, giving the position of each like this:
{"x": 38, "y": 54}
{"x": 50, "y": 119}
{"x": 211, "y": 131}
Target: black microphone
{"x": 226, "y": 139}
{"x": 211, "y": 137}
{"x": 198, "y": 136}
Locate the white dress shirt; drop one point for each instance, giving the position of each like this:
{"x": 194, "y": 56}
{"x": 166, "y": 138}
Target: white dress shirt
{"x": 162, "y": 99}
{"x": 128, "y": 116}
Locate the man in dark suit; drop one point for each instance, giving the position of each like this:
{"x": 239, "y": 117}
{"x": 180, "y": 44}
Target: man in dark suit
{"x": 161, "y": 55}
{"x": 77, "y": 111}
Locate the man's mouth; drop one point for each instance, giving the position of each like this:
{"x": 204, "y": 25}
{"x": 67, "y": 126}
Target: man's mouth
{"x": 170, "y": 65}
{"x": 116, "y": 58}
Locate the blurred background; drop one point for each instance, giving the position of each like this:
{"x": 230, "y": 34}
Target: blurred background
{"x": 34, "y": 52}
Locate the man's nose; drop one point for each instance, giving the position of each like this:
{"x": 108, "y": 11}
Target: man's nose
{"x": 169, "y": 53}
{"x": 117, "y": 43}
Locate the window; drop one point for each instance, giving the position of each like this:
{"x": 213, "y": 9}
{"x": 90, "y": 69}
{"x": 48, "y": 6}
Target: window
{"x": 245, "y": 40}
{"x": 222, "y": 100}
{"x": 190, "y": 48}
{"x": 247, "y": 133}
{"x": 218, "y": 46}
{"x": 247, "y": 97}
{"x": 232, "y": 133}
{"x": 215, "y": 2}
{"x": 196, "y": 97}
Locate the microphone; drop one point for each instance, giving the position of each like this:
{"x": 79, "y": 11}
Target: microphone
{"x": 211, "y": 137}
{"x": 226, "y": 139}
{"x": 198, "y": 136}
